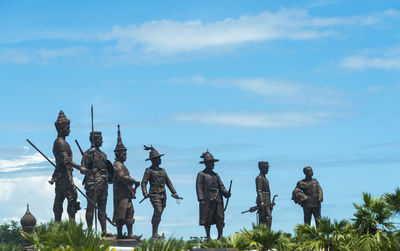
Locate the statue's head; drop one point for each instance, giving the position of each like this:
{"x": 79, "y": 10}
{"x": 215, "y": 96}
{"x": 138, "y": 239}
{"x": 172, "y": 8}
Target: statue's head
{"x": 154, "y": 155}
{"x": 96, "y": 139}
{"x": 308, "y": 171}
{"x": 263, "y": 166}
{"x": 62, "y": 124}
{"x": 208, "y": 159}
{"x": 120, "y": 149}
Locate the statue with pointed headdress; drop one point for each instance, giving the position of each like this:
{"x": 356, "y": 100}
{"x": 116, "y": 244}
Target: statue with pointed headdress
{"x": 158, "y": 178}
{"x": 62, "y": 176}
{"x": 123, "y": 192}
{"x": 210, "y": 190}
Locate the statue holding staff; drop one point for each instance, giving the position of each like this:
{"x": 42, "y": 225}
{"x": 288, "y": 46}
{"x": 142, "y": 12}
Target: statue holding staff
{"x": 62, "y": 176}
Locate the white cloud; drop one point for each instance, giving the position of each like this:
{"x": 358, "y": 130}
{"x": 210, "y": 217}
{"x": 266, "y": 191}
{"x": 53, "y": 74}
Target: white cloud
{"x": 276, "y": 90}
{"x": 283, "y": 119}
{"x": 25, "y": 55}
{"x": 21, "y": 162}
{"x": 167, "y": 36}
{"x": 388, "y": 59}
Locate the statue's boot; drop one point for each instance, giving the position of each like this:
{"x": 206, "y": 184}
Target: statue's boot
{"x": 104, "y": 229}
{"x": 220, "y": 229}
{"x": 119, "y": 232}
{"x": 207, "y": 228}
{"x": 130, "y": 235}
{"x": 155, "y": 231}
{"x": 57, "y": 216}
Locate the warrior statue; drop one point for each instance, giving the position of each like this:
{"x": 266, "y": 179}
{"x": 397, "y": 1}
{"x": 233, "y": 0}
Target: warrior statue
{"x": 98, "y": 173}
{"x": 210, "y": 190}
{"x": 264, "y": 195}
{"x": 123, "y": 192}
{"x": 62, "y": 175}
{"x": 158, "y": 178}
{"x": 308, "y": 194}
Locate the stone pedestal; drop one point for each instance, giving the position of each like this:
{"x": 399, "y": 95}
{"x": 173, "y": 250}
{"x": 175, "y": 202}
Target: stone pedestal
{"x": 123, "y": 242}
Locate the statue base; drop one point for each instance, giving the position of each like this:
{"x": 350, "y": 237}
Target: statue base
{"x": 123, "y": 242}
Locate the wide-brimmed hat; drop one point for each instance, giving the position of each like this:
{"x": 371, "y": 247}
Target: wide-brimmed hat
{"x": 120, "y": 146}
{"x": 207, "y": 157}
{"x": 153, "y": 152}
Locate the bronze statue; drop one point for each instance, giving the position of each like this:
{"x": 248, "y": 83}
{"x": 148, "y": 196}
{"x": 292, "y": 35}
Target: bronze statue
{"x": 62, "y": 176}
{"x": 123, "y": 192}
{"x": 98, "y": 173}
{"x": 158, "y": 178}
{"x": 210, "y": 190}
{"x": 308, "y": 194}
{"x": 263, "y": 201}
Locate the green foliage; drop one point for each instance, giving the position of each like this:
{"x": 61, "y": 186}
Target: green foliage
{"x": 10, "y": 233}
{"x": 262, "y": 238}
{"x": 393, "y": 200}
{"x": 329, "y": 236}
{"x": 237, "y": 240}
{"x": 372, "y": 215}
{"x": 10, "y": 247}
{"x": 170, "y": 244}
{"x": 67, "y": 235}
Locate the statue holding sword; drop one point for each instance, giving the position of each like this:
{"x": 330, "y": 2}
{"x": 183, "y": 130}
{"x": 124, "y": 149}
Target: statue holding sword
{"x": 158, "y": 178}
{"x": 123, "y": 192}
{"x": 210, "y": 190}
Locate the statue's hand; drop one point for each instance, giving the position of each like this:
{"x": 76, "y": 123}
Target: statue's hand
{"x": 84, "y": 170}
{"x": 175, "y": 196}
{"x": 137, "y": 183}
{"x": 145, "y": 195}
{"x": 228, "y": 194}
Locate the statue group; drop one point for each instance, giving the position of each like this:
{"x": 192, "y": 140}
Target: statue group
{"x": 99, "y": 172}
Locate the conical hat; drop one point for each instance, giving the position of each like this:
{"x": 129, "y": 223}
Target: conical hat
{"x": 62, "y": 118}
{"x": 120, "y": 146}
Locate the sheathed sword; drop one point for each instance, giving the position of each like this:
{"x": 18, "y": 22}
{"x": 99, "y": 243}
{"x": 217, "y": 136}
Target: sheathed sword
{"x": 90, "y": 200}
{"x": 227, "y": 200}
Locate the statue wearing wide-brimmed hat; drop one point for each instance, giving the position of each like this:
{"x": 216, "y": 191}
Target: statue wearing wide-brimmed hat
{"x": 158, "y": 178}
{"x": 123, "y": 192}
{"x": 210, "y": 190}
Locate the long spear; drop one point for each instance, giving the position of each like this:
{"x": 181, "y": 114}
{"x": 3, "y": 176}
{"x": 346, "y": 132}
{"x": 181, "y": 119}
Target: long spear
{"x": 90, "y": 200}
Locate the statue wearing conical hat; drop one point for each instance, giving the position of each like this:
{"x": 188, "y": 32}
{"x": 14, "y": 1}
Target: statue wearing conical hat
{"x": 62, "y": 176}
{"x": 210, "y": 190}
{"x": 158, "y": 178}
{"x": 123, "y": 192}
{"x": 98, "y": 171}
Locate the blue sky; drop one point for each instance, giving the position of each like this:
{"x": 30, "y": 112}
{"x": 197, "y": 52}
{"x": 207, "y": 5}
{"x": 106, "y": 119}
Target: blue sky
{"x": 293, "y": 83}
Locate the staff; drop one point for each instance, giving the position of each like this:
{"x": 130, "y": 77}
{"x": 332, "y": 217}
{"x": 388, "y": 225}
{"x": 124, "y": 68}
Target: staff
{"x": 90, "y": 200}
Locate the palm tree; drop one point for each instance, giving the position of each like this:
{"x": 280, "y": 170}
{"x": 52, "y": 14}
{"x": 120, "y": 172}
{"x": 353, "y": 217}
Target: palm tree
{"x": 373, "y": 215}
{"x": 67, "y": 235}
{"x": 263, "y": 238}
{"x": 393, "y": 200}
{"x": 237, "y": 240}
{"x": 328, "y": 236}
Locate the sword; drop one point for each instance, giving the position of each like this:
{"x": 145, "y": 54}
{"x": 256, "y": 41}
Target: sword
{"x": 227, "y": 200}
{"x": 51, "y": 162}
